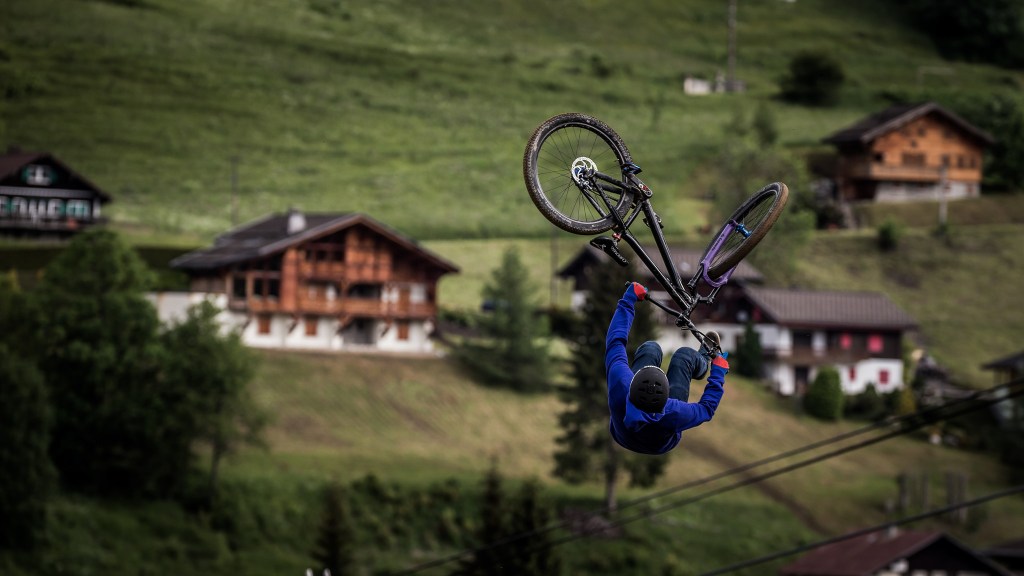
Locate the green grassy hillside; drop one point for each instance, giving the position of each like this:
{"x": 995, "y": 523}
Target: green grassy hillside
{"x": 416, "y": 113}
{"x": 342, "y": 416}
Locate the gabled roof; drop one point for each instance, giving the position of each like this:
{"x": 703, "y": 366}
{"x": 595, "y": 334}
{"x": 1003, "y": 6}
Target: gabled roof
{"x": 866, "y": 555}
{"x": 13, "y": 161}
{"x": 1011, "y": 361}
{"x": 269, "y": 235}
{"x": 830, "y": 309}
{"x": 687, "y": 260}
{"x": 894, "y": 117}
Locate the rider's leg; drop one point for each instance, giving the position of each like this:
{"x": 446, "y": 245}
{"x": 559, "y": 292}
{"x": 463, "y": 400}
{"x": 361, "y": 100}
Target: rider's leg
{"x": 648, "y": 354}
{"x": 686, "y": 365}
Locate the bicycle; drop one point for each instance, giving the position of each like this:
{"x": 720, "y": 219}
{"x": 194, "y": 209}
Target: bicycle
{"x": 562, "y": 168}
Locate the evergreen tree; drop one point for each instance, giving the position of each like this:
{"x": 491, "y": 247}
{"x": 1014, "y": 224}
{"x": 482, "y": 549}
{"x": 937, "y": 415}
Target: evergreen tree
{"x": 490, "y": 557}
{"x": 513, "y": 352}
{"x": 122, "y": 424}
{"x": 749, "y": 355}
{"x": 335, "y": 543}
{"x": 586, "y": 449}
{"x": 824, "y": 399}
{"x": 532, "y": 553}
{"x": 28, "y": 482}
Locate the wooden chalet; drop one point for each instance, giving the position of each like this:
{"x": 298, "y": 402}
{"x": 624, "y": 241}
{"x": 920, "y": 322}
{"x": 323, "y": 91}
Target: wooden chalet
{"x": 892, "y": 554}
{"x": 858, "y": 333}
{"x": 317, "y": 281}
{"x": 718, "y": 316}
{"x": 40, "y": 196}
{"x": 910, "y": 152}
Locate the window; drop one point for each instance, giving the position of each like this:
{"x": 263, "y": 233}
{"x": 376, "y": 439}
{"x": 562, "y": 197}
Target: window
{"x": 263, "y": 324}
{"x": 802, "y": 340}
{"x": 883, "y": 377}
{"x": 852, "y": 372}
{"x": 875, "y": 343}
{"x": 845, "y": 342}
{"x": 312, "y": 322}
{"x": 945, "y": 160}
{"x": 238, "y": 287}
{"x": 910, "y": 159}
{"x": 403, "y": 330}
{"x": 879, "y": 158}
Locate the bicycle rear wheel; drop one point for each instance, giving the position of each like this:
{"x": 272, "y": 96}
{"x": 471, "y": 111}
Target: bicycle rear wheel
{"x": 558, "y": 147}
{"x": 744, "y": 229}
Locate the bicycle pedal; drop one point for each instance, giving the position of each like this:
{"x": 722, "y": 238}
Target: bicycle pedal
{"x": 610, "y": 247}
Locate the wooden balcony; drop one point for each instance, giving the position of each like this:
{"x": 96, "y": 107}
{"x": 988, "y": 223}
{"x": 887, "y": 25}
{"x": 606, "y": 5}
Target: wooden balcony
{"x": 350, "y": 273}
{"x": 874, "y": 171}
{"x": 358, "y": 307}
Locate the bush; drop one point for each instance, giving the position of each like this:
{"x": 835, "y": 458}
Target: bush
{"x": 889, "y": 233}
{"x": 814, "y": 79}
{"x": 824, "y": 399}
{"x": 868, "y": 405}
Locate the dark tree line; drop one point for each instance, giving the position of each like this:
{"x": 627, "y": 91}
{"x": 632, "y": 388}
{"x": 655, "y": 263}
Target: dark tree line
{"x": 978, "y": 31}
{"x": 95, "y": 389}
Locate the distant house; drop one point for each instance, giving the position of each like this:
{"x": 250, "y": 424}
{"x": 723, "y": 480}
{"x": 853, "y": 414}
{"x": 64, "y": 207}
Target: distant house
{"x": 1008, "y": 369}
{"x": 718, "y": 316}
{"x": 910, "y": 152}
{"x": 901, "y": 553}
{"x": 316, "y": 281}
{"x": 1010, "y": 555}
{"x": 40, "y": 196}
{"x": 858, "y": 333}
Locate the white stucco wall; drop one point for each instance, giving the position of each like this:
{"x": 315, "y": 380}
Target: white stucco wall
{"x": 286, "y": 332}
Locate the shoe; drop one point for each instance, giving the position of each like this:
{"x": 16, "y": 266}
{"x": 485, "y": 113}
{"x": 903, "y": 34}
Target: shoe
{"x": 715, "y": 341}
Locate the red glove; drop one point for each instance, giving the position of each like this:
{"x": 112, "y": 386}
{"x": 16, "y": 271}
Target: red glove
{"x": 637, "y": 290}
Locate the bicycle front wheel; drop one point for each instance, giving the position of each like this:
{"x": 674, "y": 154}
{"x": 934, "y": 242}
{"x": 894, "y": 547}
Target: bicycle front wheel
{"x": 563, "y": 146}
{"x": 744, "y": 229}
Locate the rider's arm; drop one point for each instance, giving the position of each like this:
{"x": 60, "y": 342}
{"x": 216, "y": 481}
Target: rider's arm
{"x": 616, "y": 361}
{"x": 683, "y": 415}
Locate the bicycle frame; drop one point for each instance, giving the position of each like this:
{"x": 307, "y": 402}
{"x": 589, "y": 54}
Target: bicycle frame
{"x": 686, "y": 296}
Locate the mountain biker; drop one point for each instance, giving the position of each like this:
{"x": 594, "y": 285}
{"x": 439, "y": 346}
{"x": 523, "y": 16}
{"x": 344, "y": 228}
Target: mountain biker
{"x": 649, "y": 409}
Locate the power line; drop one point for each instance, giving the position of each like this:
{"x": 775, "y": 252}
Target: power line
{"x": 903, "y": 424}
{"x": 937, "y": 512}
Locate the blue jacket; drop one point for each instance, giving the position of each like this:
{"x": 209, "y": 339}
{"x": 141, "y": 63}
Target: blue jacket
{"x": 647, "y": 432}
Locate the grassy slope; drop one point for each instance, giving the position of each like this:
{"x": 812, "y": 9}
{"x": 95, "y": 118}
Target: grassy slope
{"x": 427, "y": 106}
{"x": 343, "y": 416}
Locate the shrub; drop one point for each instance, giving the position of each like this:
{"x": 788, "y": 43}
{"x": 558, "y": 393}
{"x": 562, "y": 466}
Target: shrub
{"x": 889, "y": 233}
{"x": 814, "y": 79}
{"x": 824, "y": 399}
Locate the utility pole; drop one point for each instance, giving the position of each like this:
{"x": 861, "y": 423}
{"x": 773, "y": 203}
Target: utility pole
{"x": 234, "y": 191}
{"x": 730, "y": 77}
{"x": 943, "y": 186}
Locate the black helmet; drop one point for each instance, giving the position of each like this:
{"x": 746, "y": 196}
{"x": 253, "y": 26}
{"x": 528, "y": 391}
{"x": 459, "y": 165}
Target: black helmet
{"x": 648, "y": 390}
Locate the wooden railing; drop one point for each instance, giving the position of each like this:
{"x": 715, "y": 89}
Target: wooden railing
{"x": 882, "y": 171}
{"x": 348, "y": 272}
{"x": 347, "y": 306}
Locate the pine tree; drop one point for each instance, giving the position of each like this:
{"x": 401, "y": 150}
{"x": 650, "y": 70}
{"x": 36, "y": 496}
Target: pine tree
{"x": 513, "y": 352}
{"x": 335, "y": 543}
{"x": 532, "y": 553}
{"x": 749, "y": 355}
{"x": 825, "y": 398}
{"x": 491, "y": 557}
{"x": 587, "y": 450}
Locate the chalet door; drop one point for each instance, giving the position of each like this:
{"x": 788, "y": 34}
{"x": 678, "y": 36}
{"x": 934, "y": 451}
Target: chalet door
{"x": 801, "y": 379}
{"x": 404, "y": 299}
